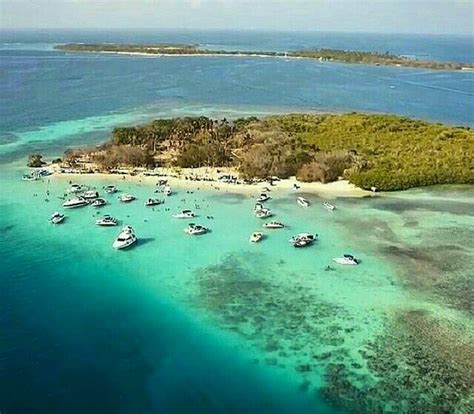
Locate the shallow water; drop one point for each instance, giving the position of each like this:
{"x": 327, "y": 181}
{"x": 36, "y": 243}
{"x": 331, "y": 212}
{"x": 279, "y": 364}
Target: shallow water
{"x": 214, "y": 323}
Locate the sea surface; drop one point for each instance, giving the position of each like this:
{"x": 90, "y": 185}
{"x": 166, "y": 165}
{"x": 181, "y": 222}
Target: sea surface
{"x": 214, "y": 324}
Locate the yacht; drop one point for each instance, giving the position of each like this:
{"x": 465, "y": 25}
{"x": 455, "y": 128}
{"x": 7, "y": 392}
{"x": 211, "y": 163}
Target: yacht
{"x": 107, "y": 221}
{"x": 126, "y": 198}
{"x": 346, "y": 259}
{"x": 263, "y": 213}
{"x": 256, "y": 237}
{"x": 99, "y": 202}
{"x": 329, "y": 206}
{"x": 196, "y": 229}
{"x": 153, "y": 202}
{"x": 125, "y": 239}
{"x": 302, "y": 202}
{"x": 274, "y": 225}
{"x": 88, "y": 195}
{"x": 75, "y": 202}
{"x": 110, "y": 189}
{"x": 263, "y": 197}
{"x": 303, "y": 239}
{"x": 57, "y": 217}
{"x": 185, "y": 214}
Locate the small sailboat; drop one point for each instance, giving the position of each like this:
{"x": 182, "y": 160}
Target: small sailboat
{"x": 185, "y": 214}
{"x": 196, "y": 229}
{"x": 347, "y": 259}
{"x": 302, "y": 202}
{"x": 125, "y": 239}
{"x": 329, "y": 206}
{"x": 107, "y": 221}
{"x": 256, "y": 237}
{"x": 57, "y": 217}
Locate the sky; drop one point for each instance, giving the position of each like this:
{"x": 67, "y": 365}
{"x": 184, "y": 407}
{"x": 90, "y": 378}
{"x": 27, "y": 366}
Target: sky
{"x": 381, "y": 16}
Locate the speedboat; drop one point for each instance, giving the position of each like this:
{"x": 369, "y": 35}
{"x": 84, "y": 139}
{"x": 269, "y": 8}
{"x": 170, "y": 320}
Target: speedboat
{"x": 302, "y": 202}
{"x": 75, "y": 202}
{"x": 90, "y": 194}
{"x": 258, "y": 206}
{"x": 303, "y": 239}
{"x": 263, "y": 197}
{"x": 256, "y": 237}
{"x": 126, "y": 198}
{"x": 30, "y": 177}
{"x": 57, "y": 217}
{"x": 153, "y": 202}
{"x": 99, "y": 202}
{"x": 125, "y": 239}
{"x": 196, "y": 229}
{"x": 274, "y": 225}
{"x": 263, "y": 213}
{"x": 185, "y": 214}
{"x": 329, "y": 206}
{"x": 110, "y": 189}
{"x": 346, "y": 259}
{"x": 107, "y": 221}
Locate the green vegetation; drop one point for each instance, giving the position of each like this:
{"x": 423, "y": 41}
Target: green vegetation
{"x": 345, "y": 56}
{"x": 383, "y": 151}
{"x": 35, "y": 161}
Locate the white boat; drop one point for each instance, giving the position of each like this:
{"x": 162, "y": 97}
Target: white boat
{"x": 99, "y": 202}
{"x": 126, "y": 198}
{"x": 257, "y": 206}
{"x": 167, "y": 190}
{"x": 274, "y": 225}
{"x": 196, "y": 229}
{"x": 125, "y": 239}
{"x": 302, "y": 202}
{"x": 75, "y": 202}
{"x": 263, "y": 197}
{"x": 347, "y": 259}
{"x": 256, "y": 237}
{"x": 30, "y": 177}
{"x": 107, "y": 221}
{"x": 75, "y": 188}
{"x": 153, "y": 202}
{"x": 263, "y": 213}
{"x": 88, "y": 195}
{"x": 185, "y": 214}
{"x": 329, "y": 206}
{"x": 303, "y": 239}
{"x": 57, "y": 217}
{"x": 110, "y": 189}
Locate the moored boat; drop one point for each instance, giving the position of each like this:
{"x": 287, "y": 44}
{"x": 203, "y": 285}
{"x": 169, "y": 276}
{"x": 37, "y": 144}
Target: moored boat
{"x": 302, "y": 202}
{"x": 75, "y": 202}
{"x": 346, "y": 259}
{"x": 303, "y": 239}
{"x": 126, "y": 198}
{"x": 329, "y": 206}
{"x": 110, "y": 189}
{"x": 91, "y": 194}
{"x": 57, "y": 217}
{"x": 99, "y": 202}
{"x": 107, "y": 221}
{"x": 153, "y": 202}
{"x": 185, "y": 214}
{"x": 256, "y": 237}
{"x": 76, "y": 188}
{"x": 263, "y": 213}
{"x": 196, "y": 229}
{"x": 274, "y": 225}
{"x": 263, "y": 197}
{"x": 125, "y": 239}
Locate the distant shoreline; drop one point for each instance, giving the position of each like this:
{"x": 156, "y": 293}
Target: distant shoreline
{"x": 321, "y": 55}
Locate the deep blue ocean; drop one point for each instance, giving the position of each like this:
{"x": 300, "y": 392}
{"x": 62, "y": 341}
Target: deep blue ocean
{"x": 78, "y": 334}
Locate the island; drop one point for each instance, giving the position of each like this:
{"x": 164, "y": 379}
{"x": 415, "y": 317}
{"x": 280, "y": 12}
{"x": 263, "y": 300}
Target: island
{"x": 371, "y": 151}
{"x": 323, "y": 55}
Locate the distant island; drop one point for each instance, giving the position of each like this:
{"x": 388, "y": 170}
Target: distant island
{"x": 385, "y": 152}
{"x": 332, "y": 55}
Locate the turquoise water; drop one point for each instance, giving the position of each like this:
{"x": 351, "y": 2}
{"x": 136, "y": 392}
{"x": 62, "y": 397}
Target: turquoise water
{"x": 213, "y": 323}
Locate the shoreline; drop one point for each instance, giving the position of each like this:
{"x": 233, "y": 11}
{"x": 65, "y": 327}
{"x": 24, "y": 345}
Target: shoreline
{"x": 206, "y": 178}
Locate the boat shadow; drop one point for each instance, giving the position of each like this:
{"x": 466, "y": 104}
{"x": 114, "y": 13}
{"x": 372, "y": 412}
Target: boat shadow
{"x": 143, "y": 241}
